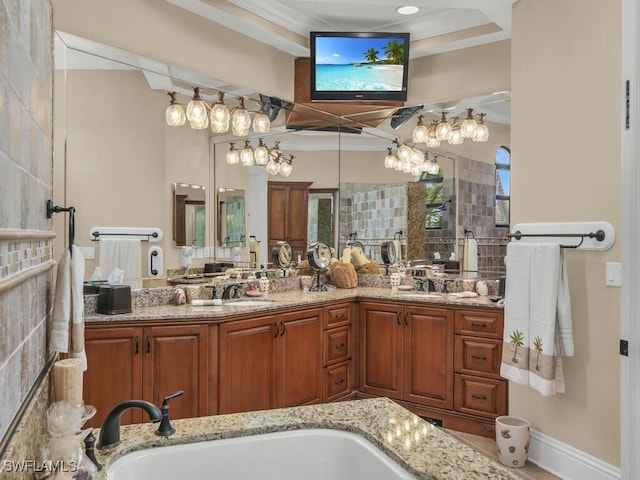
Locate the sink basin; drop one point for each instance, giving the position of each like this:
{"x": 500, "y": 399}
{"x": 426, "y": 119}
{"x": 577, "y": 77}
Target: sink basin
{"x": 311, "y": 454}
{"x": 249, "y": 303}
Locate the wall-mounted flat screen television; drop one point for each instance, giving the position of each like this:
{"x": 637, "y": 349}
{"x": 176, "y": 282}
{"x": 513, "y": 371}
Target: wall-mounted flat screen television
{"x": 359, "y": 66}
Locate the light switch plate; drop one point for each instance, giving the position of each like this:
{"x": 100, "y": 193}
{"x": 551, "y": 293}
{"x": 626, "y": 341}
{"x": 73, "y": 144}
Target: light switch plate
{"x": 613, "y": 274}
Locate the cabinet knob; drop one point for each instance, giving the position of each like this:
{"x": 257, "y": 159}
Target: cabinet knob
{"x": 339, "y": 381}
{"x": 339, "y": 346}
{"x": 339, "y": 316}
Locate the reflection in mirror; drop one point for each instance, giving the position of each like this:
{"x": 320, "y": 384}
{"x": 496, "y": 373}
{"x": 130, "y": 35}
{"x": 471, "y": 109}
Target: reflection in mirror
{"x": 189, "y": 215}
{"x": 320, "y": 222}
{"x": 231, "y": 214}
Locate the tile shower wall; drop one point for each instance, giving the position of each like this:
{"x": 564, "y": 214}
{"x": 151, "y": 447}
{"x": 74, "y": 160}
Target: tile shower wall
{"x": 373, "y": 214}
{"x": 476, "y": 212}
{"x": 25, "y": 232}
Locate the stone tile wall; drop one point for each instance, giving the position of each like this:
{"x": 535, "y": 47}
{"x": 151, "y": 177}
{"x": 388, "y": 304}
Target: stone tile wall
{"x": 26, "y": 235}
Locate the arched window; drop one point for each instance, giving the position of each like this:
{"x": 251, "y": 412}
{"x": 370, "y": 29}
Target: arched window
{"x": 503, "y": 186}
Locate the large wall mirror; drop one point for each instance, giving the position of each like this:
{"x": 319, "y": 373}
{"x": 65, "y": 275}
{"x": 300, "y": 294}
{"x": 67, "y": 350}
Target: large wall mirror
{"x": 116, "y": 160}
{"x": 189, "y": 215}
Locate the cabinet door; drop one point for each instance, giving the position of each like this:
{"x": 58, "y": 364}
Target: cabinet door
{"x": 277, "y": 216}
{"x": 176, "y": 358}
{"x": 114, "y": 371}
{"x": 299, "y": 358}
{"x": 297, "y": 213}
{"x": 428, "y": 356}
{"x": 381, "y": 350}
{"x": 247, "y": 365}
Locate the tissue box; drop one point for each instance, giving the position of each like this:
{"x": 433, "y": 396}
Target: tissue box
{"x": 114, "y": 299}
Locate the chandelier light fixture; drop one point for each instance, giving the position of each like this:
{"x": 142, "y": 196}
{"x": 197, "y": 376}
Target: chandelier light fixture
{"x": 218, "y": 115}
{"x": 416, "y": 163}
{"x": 454, "y": 131}
{"x": 273, "y": 159}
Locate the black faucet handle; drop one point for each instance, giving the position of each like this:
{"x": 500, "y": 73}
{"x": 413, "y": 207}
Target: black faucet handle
{"x": 419, "y": 284}
{"x": 165, "y": 429}
{"x": 165, "y": 400}
{"x": 89, "y": 449}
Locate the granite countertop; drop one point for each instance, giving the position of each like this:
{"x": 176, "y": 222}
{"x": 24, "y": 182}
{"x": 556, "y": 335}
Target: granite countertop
{"x": 424, "y": 450}
{"x": 294, "y": 298}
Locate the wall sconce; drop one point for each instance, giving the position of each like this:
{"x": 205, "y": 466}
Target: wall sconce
{"x": 233, "y": 157}
{"x": 417, "y": 163}
{"x": 246, "y": 155}
{"x": 261, "y": 153}
{"x": 261, "y": 122}
{"x": 274, "y": 160}
{"x": 240, "y": 119}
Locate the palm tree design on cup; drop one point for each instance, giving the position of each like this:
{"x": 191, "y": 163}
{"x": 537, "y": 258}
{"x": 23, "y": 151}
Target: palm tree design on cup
{"x": 537, "y": 345}
{"x": 517, "y": 340}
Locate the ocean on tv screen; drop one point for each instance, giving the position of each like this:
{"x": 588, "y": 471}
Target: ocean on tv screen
{"x": 359, "y": 78}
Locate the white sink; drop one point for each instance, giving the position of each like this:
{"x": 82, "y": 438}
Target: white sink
{"x": 249, "y": 303}
{"x": 311, "y": 454}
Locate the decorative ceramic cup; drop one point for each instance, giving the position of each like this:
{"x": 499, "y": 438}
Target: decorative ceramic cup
{"x": 482, "y": 288}
{"x": 395, "y": 280}
{"x": 512, "y": 439}
{"x": 264, "y": 285}
{"x": 305, "y": 282}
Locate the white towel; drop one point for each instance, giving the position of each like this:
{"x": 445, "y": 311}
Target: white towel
{"x": 537, "y": 328}
{"x": 470, "y": 259}
{"x": 67, "y": 329}
{"x": 124, "y": 254}
{"x": 398, "y": 246}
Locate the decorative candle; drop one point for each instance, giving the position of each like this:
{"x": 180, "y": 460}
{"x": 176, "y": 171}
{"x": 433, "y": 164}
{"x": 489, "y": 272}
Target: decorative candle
{"x": 67, "y": 380}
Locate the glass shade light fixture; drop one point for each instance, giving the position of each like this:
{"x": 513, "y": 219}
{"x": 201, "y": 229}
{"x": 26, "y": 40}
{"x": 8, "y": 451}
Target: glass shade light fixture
{"x": 246, "y": 155}
{"x": 240, "y": 119}
{"x": 391, "y": 159}
{"x": 233, "y": 157}
{"x": 197, "y": 111}
{"x": 417, "y": 156}
{"x": 420, "y": 131}
{"x": 456, "y": 135}
{"x": 468, "y": 125}
{"x": 261, "y": 122}
{"x": 261, "y": 153}
{"x": 286, "y": 166}
{"x": 434, "y": 168}
{"x": 443, "y": 130}
{"x": 273, "y": 165}
{"x": 481, "y": 133}
{"x": 219, "y": 115}
{"x": 174, "y": 114}
{"x": 432, "y": 139}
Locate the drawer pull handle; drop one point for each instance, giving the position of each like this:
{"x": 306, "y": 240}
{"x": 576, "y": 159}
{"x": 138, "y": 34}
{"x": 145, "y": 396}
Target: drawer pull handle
{"x": 398, "y": 318}
{"x": 339, "y": 381}
{"x": 483, "y": 325}
{"x": 406, "y": 316}
{"x": 478, "y": 357}
{"x": 284, "y": 328}
{"x": 339, "y": 346}
{"x": 148, "y": 343}
{"x": 137, "y": 344}
{"x": 479, "y": 397}
{"x": 275, "y": 325}
{"x": 340, "y": 316}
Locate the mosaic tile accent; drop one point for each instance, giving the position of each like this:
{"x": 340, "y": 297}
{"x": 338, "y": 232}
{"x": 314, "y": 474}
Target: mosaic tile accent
{"x": 17, "y": 256}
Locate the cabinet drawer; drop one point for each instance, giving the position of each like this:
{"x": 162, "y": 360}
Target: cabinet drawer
{"x": 477, "y": 356}
{"x": 480, "y": 322}
{"x": 480, "y": 396}
{"x": 337, "y": 381}
{"x": 337, "y": 345}
{"x": 337, "y": 315}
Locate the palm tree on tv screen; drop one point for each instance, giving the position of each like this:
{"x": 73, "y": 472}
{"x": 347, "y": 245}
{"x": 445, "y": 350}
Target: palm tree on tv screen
{"x": 394, "y": 52}
{"x": 371, "y": 55}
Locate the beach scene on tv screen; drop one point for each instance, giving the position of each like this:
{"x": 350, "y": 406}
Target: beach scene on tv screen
{"x": 359, "y": 64}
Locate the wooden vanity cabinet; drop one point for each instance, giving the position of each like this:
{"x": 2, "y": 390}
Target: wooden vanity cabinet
{"x": 406, "y": 353}
{"x": 149, "y": 363}
{"x": 478, "y": 388}
{"x": 270, "y": 362}
{"x": 338, "y": 364}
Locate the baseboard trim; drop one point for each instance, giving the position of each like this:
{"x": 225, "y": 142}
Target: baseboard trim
{"x": 568, "y": 462}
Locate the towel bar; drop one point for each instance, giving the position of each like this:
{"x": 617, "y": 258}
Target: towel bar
{"x": 596, "y": 236}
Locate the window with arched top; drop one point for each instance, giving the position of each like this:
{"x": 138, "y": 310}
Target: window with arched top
{"x": 503, "y": 186}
